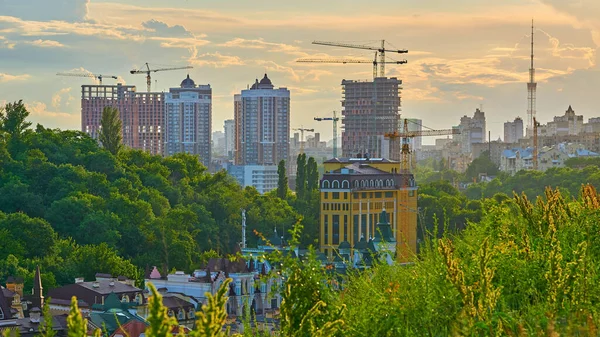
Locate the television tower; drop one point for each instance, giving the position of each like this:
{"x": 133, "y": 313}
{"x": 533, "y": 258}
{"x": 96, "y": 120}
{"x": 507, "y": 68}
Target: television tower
{"x": 531, "y": 91}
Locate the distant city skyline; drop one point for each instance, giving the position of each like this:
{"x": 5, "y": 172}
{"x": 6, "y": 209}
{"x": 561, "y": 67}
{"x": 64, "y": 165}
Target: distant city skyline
{"x": 460, "y": 55}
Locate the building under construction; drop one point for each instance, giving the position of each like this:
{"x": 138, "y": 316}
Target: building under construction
{"x": 370, "y": 109}
{"x": 142, "y": 114}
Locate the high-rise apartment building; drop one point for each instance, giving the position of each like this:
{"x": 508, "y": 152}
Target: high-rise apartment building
{"x": 472, "y": 130}
{"x": 188, "y": 120}
{"x": 262, "y": 134}
{"x": 229, "y": 128}
{"x": 568, "y": 124}
{"x": 142, "y": 114}
{"x": 262, "y": 120}
{"x": 513, "y": 131}
{"x": 370, "y": 109}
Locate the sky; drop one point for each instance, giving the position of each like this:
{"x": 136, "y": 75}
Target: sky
{"x": 463, "y": 54}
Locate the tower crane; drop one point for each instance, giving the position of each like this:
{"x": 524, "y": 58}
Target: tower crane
{"x": 147, "y": 71}
{"x": 99, "y": 77}
{"x": 344, "y": 61}
{"x": 335, "y": 119}
{"x": 382, "y": 50}
{"x": 405, "y": 150}
{"x": 302, "y": 129}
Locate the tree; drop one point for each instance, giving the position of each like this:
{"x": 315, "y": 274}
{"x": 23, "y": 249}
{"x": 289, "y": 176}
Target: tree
{"x": 282, "y": 184}
{"x": 483, "y": 164}
{"x": 301, "y": 175}
{"x": 110, "y": 134}
{"x": 13, "y": 123}
{"x": 312, "y": 176}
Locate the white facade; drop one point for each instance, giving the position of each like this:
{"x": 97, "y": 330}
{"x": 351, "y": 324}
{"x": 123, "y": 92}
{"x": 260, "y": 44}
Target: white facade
{"x": 188, "y": 119}
{"x": 568, "y": 124}
{"x": 513, "y": 131}
{"x": 229, "y": 128}
{"x": 263, "y": 178}
{"x": 472, "y": 130}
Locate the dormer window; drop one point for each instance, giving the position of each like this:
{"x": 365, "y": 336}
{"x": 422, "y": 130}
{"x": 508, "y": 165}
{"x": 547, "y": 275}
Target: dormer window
{"x": 1, "y": 314}
{"x": 181, "y": 314}
{"x": 191, "y": 313}
{"x": 125, "y": 299}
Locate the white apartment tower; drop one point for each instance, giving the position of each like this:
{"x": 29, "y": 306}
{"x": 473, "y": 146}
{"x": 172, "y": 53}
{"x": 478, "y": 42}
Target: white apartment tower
{"x": 472, "y": 130}
{"x": 188, "y": 118}
{"x": 229, "y": 129}
{"x": 262, "y": 124}
{"x": 513, "y": 131}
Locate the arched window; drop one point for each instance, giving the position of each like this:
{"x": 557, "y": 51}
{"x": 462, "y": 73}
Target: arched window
{"x": 335, "y": 184}
{"x": 325, "y": 183}
{"x": 372, "y": 184}
{"x": 125, "y": 299}
{"x": 363, "y": 183}
{"x": 379, "y": 183}
{"x": 356, "y": 184}
{"x": 345, "y": 184}
{"x": 191, "y": 313}
{"x": 181, "y": 314}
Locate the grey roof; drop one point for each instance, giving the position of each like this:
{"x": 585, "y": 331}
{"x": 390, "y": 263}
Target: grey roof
{"x": 87, "y": 292}
{"x": 5, "y": 306}
{"x": 188, "y": 82}
{"x": 174, "y": 302}
{"x": 350, "y": 160}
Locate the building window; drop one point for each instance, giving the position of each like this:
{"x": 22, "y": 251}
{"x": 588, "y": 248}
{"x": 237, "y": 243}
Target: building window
{"x": 326, "y": 228}
{"x": 377, "y": 194}
{"x": 181, "y": 315}
{"x": 336, "y": 229}
{"x": 355, "y": 226}
{"x": 325, "y": 195}
{"x": 364, "y": 195}
{"x": 355, "y": 195}
{"x": 389, "y": 194}
{"x": 335, "y": 195}
{"x": 411, "y": 193}
{"x": 345, "y": 195}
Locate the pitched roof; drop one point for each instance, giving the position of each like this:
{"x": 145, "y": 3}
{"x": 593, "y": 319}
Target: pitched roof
{"x": 173, "y": 302}
{"x": 5, "y": 312}
{"x": 113, "y": 318}
{"x": 87, "y": 292}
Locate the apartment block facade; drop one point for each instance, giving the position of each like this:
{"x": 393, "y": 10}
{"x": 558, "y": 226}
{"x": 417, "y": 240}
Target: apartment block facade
{"x": 188, "y": 122}
{"x": 142, "y": 114}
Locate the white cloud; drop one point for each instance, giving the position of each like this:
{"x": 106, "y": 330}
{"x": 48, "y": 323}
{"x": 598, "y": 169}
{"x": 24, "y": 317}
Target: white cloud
{"x": 57, "y": 98}
{"x": 9, "y": 78}
{"x": 262, "y": 44}
{"x": 216, "y": 59}
{"x": 45, "y": 43}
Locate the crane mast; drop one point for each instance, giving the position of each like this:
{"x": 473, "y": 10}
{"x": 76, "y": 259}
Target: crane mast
{"x": 302, "y": 129}
{"x": 334, "y": 119}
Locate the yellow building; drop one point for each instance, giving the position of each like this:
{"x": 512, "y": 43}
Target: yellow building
{"x": 354, "y": 191}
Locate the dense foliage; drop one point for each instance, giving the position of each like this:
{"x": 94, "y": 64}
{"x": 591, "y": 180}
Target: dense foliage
{"x": 77, "y": 209}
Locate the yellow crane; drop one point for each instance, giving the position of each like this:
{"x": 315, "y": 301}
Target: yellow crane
{"x": 535, "y": 144}
{"x": 405, "y": 136}
{"x": 147, "y": 71}
{"x": 98, "y": 77}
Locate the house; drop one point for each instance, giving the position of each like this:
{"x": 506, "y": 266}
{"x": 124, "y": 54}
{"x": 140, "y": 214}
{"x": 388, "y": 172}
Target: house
{"x": 94, "y": 294}
{"x": 247, "y": 289}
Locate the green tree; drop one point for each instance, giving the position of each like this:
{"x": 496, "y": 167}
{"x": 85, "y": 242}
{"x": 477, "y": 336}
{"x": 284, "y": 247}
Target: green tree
{"x": 312, "y": 176}
{"x": 482, "y": 164}
{"x": 13, "y": 123}
{"x": 301, "y": 175}
{"x": 111, "y": 134}
{"x": 282, "y": 183}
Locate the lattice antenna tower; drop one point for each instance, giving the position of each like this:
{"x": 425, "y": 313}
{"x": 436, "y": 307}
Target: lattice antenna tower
{"x": 531, "y": 90}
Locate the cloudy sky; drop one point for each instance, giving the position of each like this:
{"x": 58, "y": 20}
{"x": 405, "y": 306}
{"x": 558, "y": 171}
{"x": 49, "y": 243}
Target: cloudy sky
{"x": 462, "y": 53}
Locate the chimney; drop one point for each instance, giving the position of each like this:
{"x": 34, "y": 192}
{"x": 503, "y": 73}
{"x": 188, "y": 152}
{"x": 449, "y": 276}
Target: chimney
{"x": 112, "y": 283}
{"x": 79, "y": 280}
